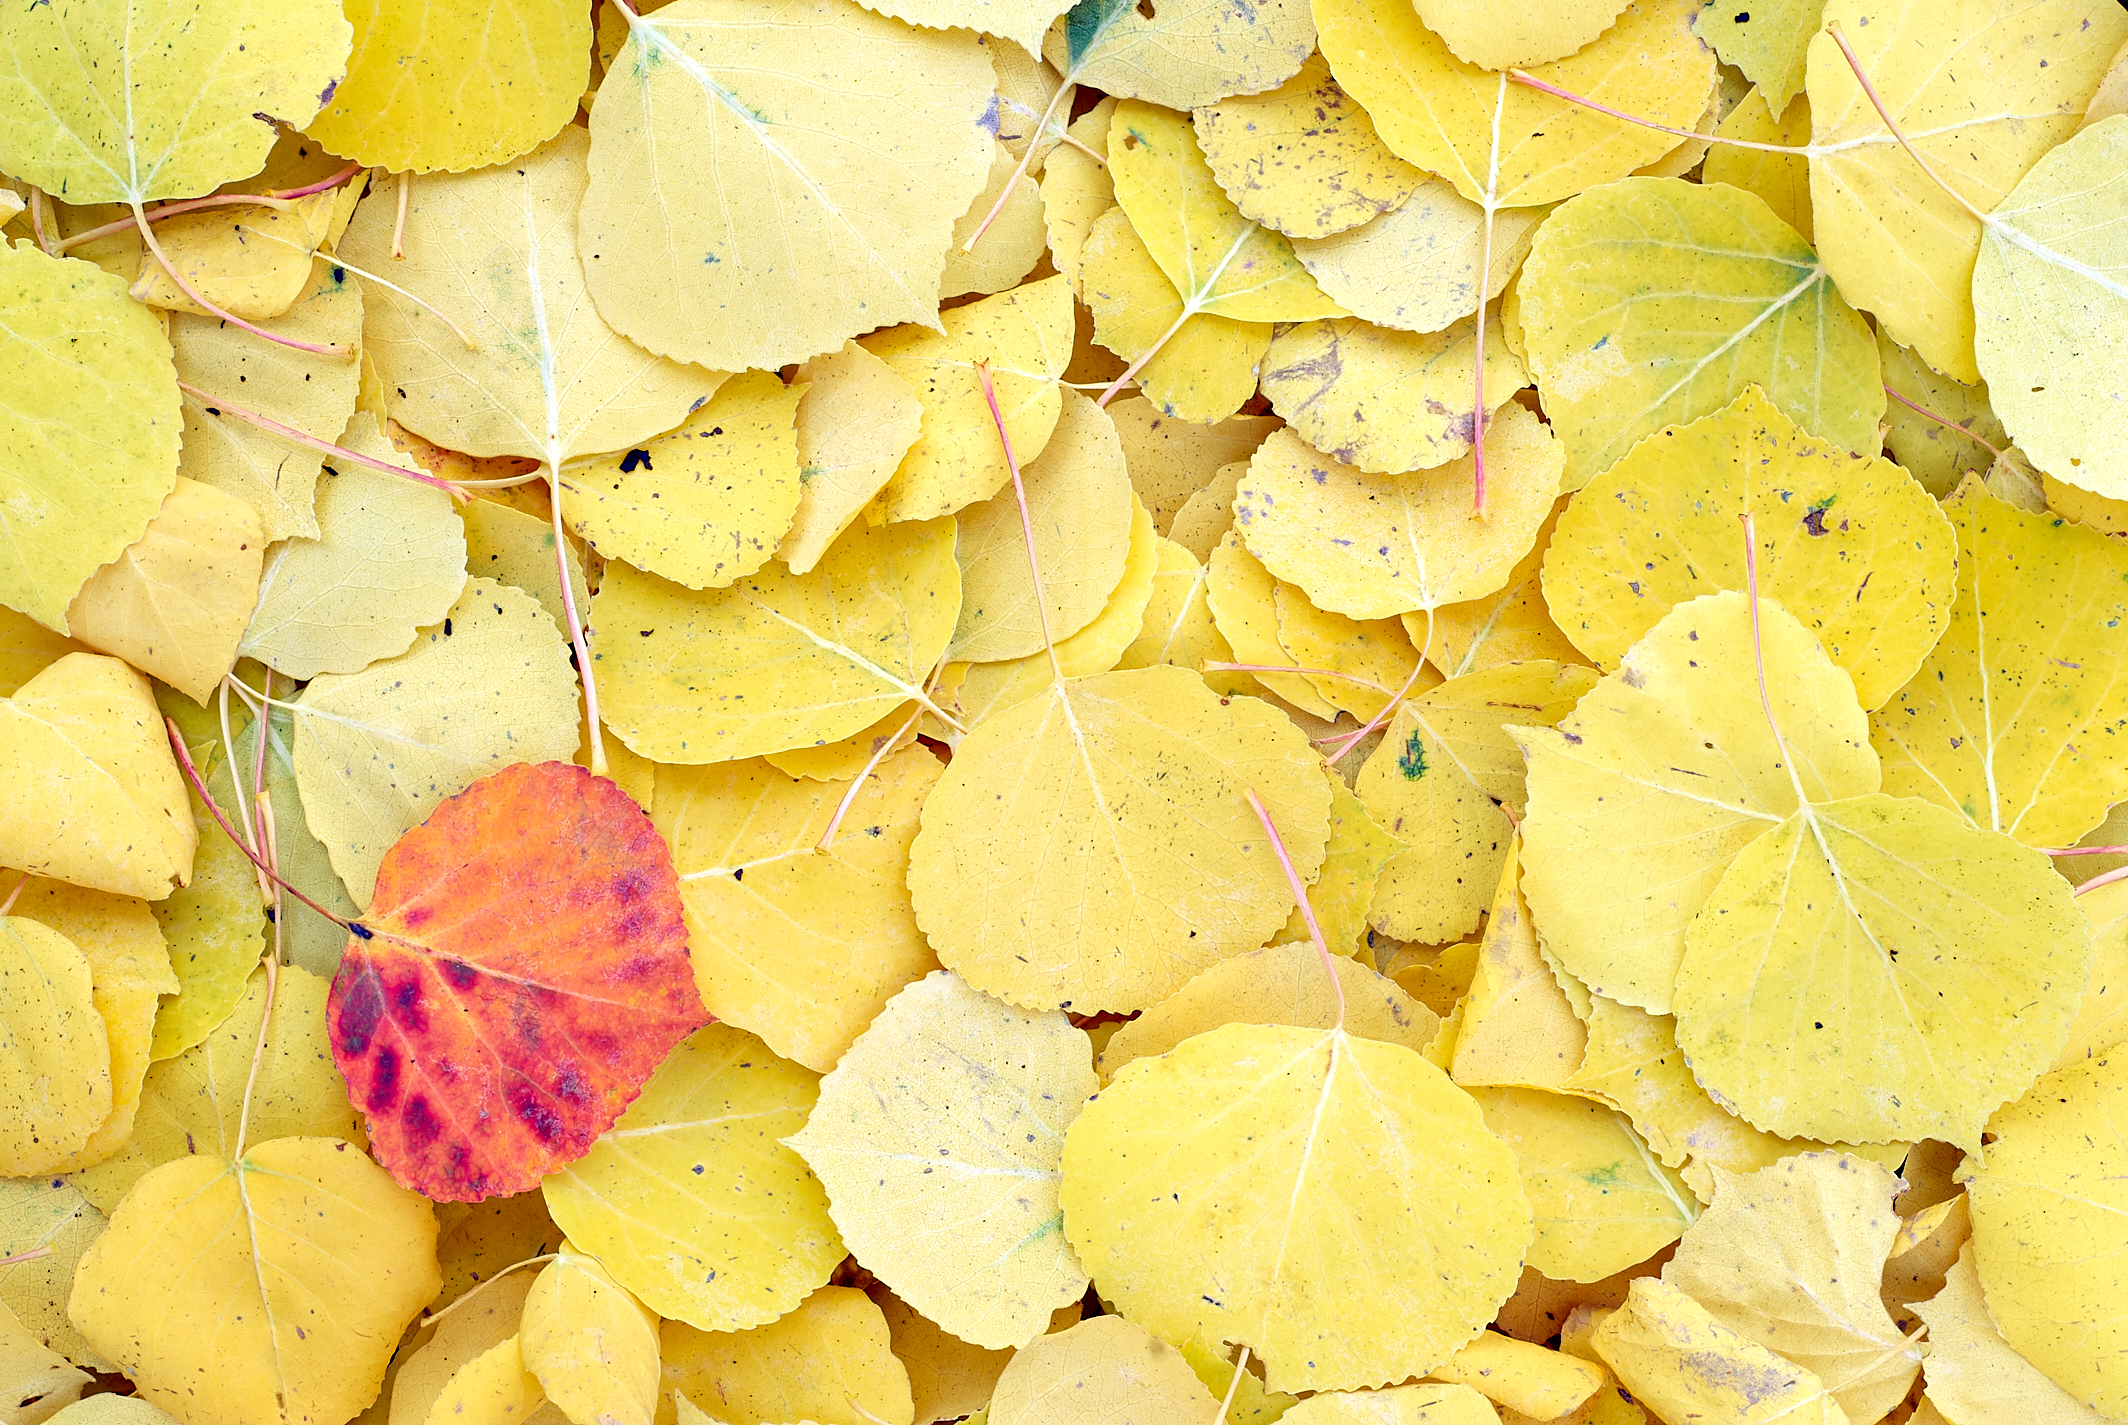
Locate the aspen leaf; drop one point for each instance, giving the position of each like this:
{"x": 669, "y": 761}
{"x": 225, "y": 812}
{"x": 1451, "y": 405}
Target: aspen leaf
{"x": 217, "y": 929}
{"x": 2047, "y": 1207}
{"x": 1064, "y": 895}
{"x": 800, "y": 944}
{"x": 2101, "y": 1021}
{"x": 1512, "y": 624}
{"x": 1767, "y": 43}
{"x": 515, "y": 548}
{"x": 200, "y": 86}
{"x": 113, "y": 1410}
{"x": 852, "y": 138}
{"x": 940, "y": 1137}
{"x": 702, "y": 505}
{"x": 1357, "y": 665}
{"x": 94, "y": 796}
{"x": 1672, "y": 1354}
{"x": 192, "y": 1103}
{"x": 1423, "y": 1403}
{"x": 55, "y": 1053}
{"x": 388, "y": 558}
{"x": 1518, "y": 1029}
{"x": 1178, "y": 626}
{"x": 1373, "y": 546}
{"x": 493, "y": 1388}
{"x": 1077, "y": 190}
{"x": 1331, "y": 1151}
{"x": 35, "y": 1380}
{"x": 1284, "y": 984}
{"x": 89, "y": 424}
{"x": 1654, "y": 302}
{"x": 1781, "y": 180}
{"x": 1937, "y": 455}
{"x": 2036, "y": 611}
{"x": 1501, "y": 142}
{"x": 419, "y": 96}
{"x": 690, "y": 1199}
{"x": 948, "y": 1378}
{"x": 1973, "y": 1375}
{"x": 497, "y": 251}
{"x": 522, "y": 974}
{"x": 377, "y": 751}
{"x": 1353, "y": 859}
{"x": 457, "y": 1340}
{"x": 2049, "y": 292}
{"x": 855, "y": 422}
{"x": 45, "y": 1226}
{"x": 1899, "y": 246}
{"x": 1182, "y": 56}
{"x": 1850, "y": 545}
{"x": 27, "y": 648}
{"x": 777, "y": 661}
{"x": 1677, "y": 735}
{"x": 1170, "y": 460}
{"x": 1108, "y": 1368}
{"x": 1791, "y": 1256}
{"x": 1243, "y": 597}
{"x": 1010, "y": 247}
{"x": 592, "y": 1346}
{"x": 307, "y": 1253}
{"x": 1415, "y": 268}
{"x": 1303, "y": 158}
{"x": 252, "y": 262}
{"x": 826, "y": 1361}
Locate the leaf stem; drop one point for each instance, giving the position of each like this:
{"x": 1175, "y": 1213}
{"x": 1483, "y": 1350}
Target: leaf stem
{"x": 1241, "y": 1362}
{"x": 171, "y": 210}
{"x": 285, "y": 194}
{"x": 2083, "y": 850}
{"x": 1524, "y": 77}
{"x": 33, "y": 1254}
{"x": 44, "y": 237}
{"x": 1758, "y": 653}
{"x": 155, "y": 250}
{"x": 2106, "y": 878}
{"x": 1300, "y": 898}
{"x": 579, "y": 636}
{"x": 1130, "y": 372}
{"x": 1019, "y": 492}
{"x": 1876, "y": 101}
{"x": 1018, "y": 172}
{"x": 216, "y": 405}
{"x": 406, "y": 187}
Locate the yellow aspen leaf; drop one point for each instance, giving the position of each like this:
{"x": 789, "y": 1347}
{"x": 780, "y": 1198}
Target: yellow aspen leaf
{"x": 89, "y": 424}
{"x": 493, "y": 1234}
{"x": 777, "y": 661}
{"x": 1766, "y": 43}
{"x": 419, "y": 96}
{"x": 252, "y": 261}
{"x": 692, "y": 1201}
{"x": 497, "y": 251}
{"x": 1025, "y": 335}
{"x": 1077, "y": 190}
{"x": 2049, "y": 294}
{"x": 948, "y": 1378}
{"x": 388, "y": 559}
{"x": 1447, "y": 781}
{"x": 1677, "y": 735}
{"x": 45, "y": 1226}
{"x": 704, "y": 504}
{"x": 174, "y": 604}
{"x": 1439, "y": 977}
{"x": 1521, "y": 147}
{"x": 845, "y": 760}
{"x": 1850, "y": 545}
{"x": 1010, "y": 247}
{"x": 1512, "y": 624}
{"x": 1602, "y": 1198}
{"x": 1381, "y": 400}
{"x": 2037, "y": 610}
{"x": 493, "y": 1388}
{"x": 1508, "y": 37}
{"x": 829, "y": 1361}
{"x": 1791, "y": 1257}
{"x": 1655, "y": 302}
{"x": 377, "y": 751}
{"x": 2048, "y": 1204}
{"x": 798, "y": 943}
{"x": 191, "y": 83}
{"x": 129, "y": 968}
{"x": 2112, "y": 95}
{"x": 1303, "y": 158}
{"x": 1198, "y": 365}
{"x": 1063, "y": 895}
{"x": 313, "y": 393}
{"x": 1189, "y": 54}
{"x": 1782, "y": 181}
{"x": 1243, "y": 597}
{"x": 1901, "y": 247}
{"x": 55, "y": 1053}
{"x": 857, "y": 419}
{"x": 113, "y": 1410}
{"x": 1422, "y": 1403}
{"x": 217, "y": 929}
{"x": 2101, "y": 1021}
{"x": 84, "y": 740}
{"x": 1178, "y": 626}
{"x": 1683, "y": 1364}
{"x": 1357, "y": 665}
{"x": 1025, "y": 86}
{"x": 1415, "y": 268}
{"x": 592, "y": 1346}
{"x": 1079, "y": 498}
{"x": 987, "y": 688}
{"x": 1343, "y": 890}
{"x": 1938, "y": 455}
{"x": 1109, "y": 1368}
{"x": 306, "y": 1254}
{"x": 1332, "y": 1150}
{"x": 27, "y": 648}
{"x": 1285, "y": 984}
{"x": 191, "y": 1103}
{"x": 35, "y": 1380}
{"x": 940, "y": 1137}
{"x": 1205, "y": 517}
{"x": 833, "y": 132}
{"x": 515, "y": 548}
{"x": 1522, "y": 1378}
{"x": 1170, "y": 459}
{"x": 1373, "y": 546}
{"x": 458, "y": 1339}
{"x": 1519, "y": 1028}
{"x": 1973, "y": 1374}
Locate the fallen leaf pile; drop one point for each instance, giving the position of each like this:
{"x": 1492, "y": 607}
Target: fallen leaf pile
{"x": 1400, "y": 712}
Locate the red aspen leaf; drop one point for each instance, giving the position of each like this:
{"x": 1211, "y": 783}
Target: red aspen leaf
{"x": 524, "y": 972}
